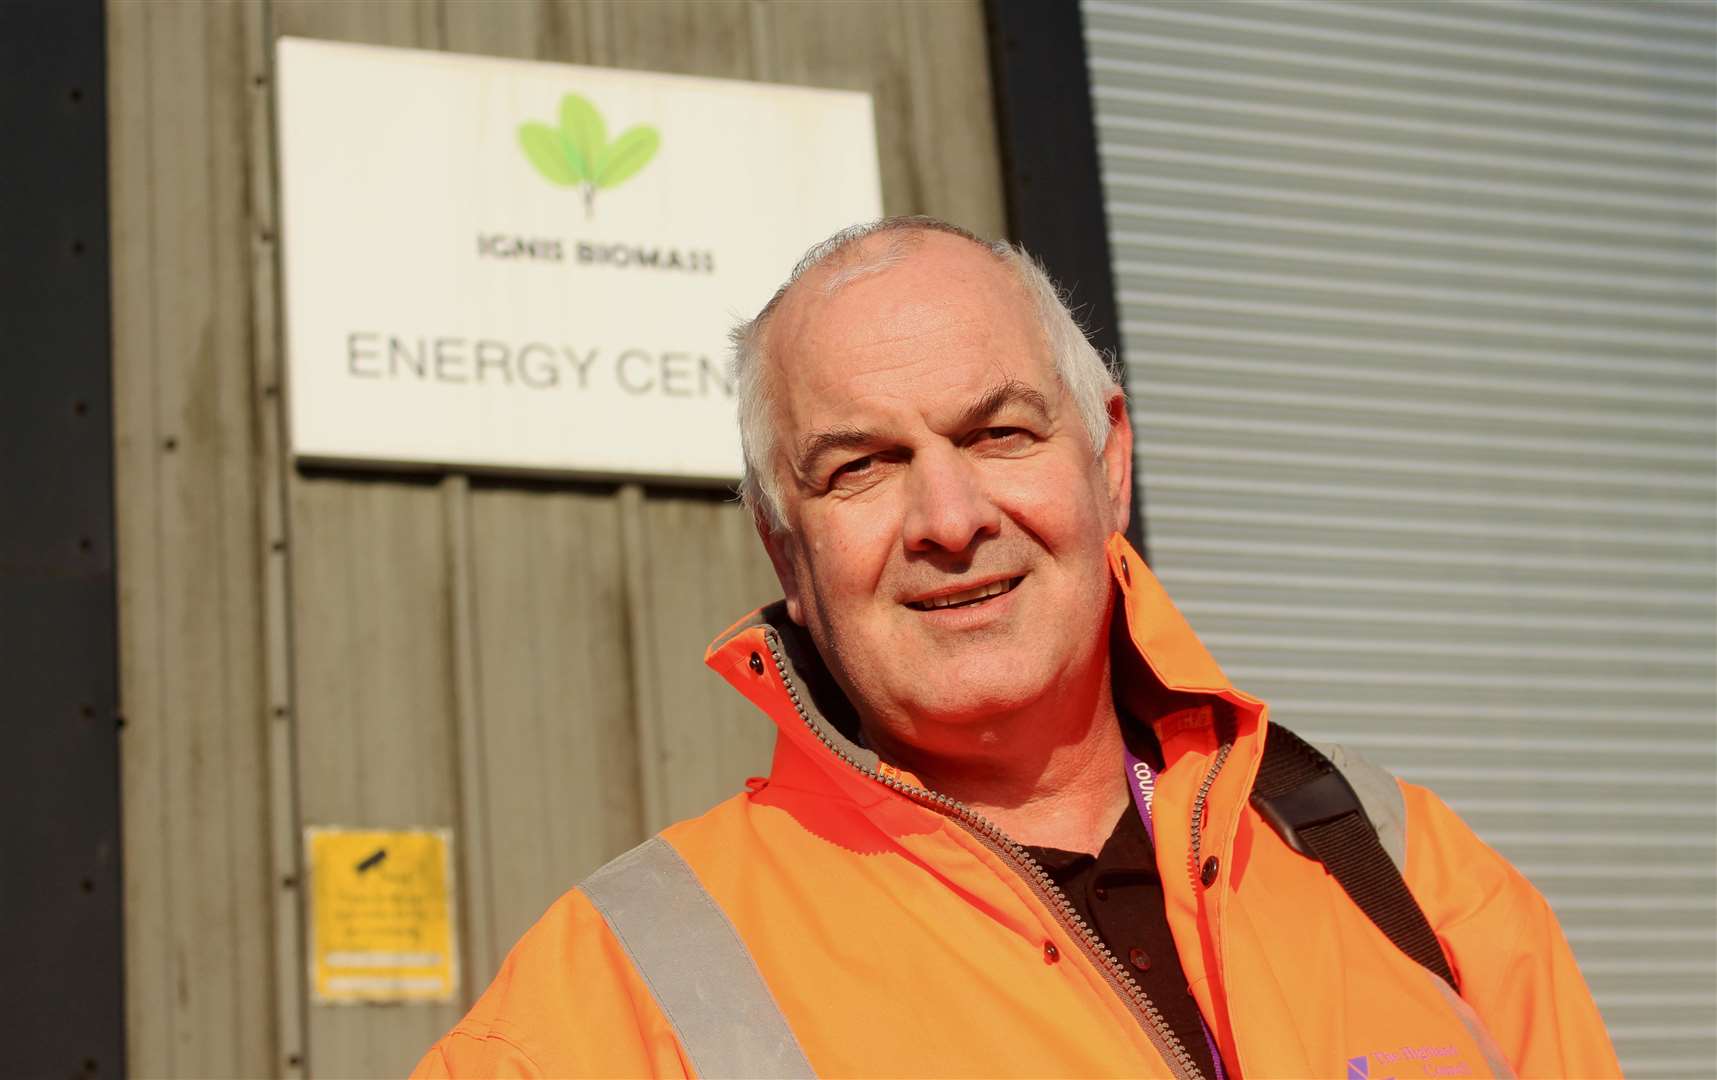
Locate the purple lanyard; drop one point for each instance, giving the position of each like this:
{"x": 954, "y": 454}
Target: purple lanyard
{"x": 1142, "y": 782}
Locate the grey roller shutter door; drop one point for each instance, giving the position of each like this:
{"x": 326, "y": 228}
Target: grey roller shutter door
{"x": 1417, "y": 301}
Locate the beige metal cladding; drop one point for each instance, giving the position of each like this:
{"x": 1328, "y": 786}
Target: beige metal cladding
{"x": 1418, "y": 306}
{"x": 521, "y": 663}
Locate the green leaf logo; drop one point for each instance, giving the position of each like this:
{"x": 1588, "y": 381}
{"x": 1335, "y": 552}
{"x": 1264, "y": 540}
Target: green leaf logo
{"x": 578, "y": 154}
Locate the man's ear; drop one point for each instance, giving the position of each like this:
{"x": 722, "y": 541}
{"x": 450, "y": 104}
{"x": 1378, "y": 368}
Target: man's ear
{"x": 1118, "y": 461}
{"x": 781, "y": 548}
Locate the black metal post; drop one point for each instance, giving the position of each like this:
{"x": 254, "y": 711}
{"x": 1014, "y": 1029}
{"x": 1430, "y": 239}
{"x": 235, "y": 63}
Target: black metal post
{"x": 60, "y": 896}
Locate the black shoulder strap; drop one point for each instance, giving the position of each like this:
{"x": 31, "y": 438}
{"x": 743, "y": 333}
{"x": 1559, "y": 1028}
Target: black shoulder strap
{"x": 1308, "y": 801}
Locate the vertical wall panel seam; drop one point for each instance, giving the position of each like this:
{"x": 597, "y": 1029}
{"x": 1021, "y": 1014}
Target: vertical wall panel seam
{"x": 598, "y": 35}
{"x": 474, "y": 864}
{"x": 280, "y": 714}
{"x": 762, "y": 59}
{"x": 441, "y": 39}
{"x": 155, "y": 710}
{"x": 918, "y": 137}
{"x": 158, "y": 729}
{"x": 651, "y": 726}
{"x": 234, "y": 707}
{"x": 124, "y": 57}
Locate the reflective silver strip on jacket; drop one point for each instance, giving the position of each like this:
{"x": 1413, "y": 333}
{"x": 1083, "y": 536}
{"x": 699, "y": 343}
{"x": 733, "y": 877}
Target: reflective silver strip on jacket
{"x": 1379, "y": 794}
{"x": 700, "y": 973}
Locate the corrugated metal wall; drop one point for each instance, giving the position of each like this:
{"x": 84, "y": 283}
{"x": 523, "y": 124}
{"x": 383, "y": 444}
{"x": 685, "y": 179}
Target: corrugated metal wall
{"x": 519, "y": 662}
{"x": 1418, "y": 310}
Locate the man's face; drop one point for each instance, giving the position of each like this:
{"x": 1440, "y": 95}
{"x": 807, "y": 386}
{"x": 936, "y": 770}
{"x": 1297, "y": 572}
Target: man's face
{"x": 928, "y": 457}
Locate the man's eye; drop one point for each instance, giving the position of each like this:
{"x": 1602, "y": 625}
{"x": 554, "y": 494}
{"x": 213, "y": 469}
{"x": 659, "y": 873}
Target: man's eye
{"x": 998, "y": 435}
{"x": 851, "y": 468}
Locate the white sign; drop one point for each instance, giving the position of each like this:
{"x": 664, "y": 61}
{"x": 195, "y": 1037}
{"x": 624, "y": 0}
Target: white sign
{"x": 516, "y": 265}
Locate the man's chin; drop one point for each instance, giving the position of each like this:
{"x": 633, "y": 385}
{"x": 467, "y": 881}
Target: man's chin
{"x": 979, "y": 698}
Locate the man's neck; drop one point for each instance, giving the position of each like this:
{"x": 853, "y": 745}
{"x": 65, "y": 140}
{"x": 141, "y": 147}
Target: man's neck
{"x": 1046, "y": 780}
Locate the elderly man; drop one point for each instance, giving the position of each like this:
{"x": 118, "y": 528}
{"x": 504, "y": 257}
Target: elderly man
{"x": 1018, "y": 822}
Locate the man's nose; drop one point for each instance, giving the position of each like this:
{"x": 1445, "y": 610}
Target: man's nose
{"x": 947, "y": 508}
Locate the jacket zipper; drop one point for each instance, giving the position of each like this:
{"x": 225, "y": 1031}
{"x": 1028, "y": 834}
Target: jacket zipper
{"x": 1150, "y": 1018}
{"x": 1192, "y": 851}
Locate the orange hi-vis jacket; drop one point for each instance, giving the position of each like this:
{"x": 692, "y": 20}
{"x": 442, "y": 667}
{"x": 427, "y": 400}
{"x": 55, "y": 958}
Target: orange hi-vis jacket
{"x": 901, "y": 936}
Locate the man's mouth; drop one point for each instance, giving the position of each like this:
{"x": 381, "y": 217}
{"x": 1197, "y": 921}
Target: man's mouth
{"x": 967, "y": 597}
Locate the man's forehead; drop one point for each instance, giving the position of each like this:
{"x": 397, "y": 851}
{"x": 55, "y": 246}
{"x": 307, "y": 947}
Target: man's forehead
{"x": 938, "y": 284}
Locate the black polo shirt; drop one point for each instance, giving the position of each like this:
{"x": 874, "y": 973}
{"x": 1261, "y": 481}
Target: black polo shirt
{"x": 1120, "y": 896}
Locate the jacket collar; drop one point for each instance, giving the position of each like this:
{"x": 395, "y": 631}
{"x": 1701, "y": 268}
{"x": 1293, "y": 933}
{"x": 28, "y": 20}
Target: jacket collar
{"x": 1162, "y": 672}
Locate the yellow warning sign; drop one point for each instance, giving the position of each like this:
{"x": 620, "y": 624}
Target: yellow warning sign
{"x": 381, "y": 915}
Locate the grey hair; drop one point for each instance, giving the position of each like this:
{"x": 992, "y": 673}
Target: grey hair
{"x": 1088, "y": 380}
